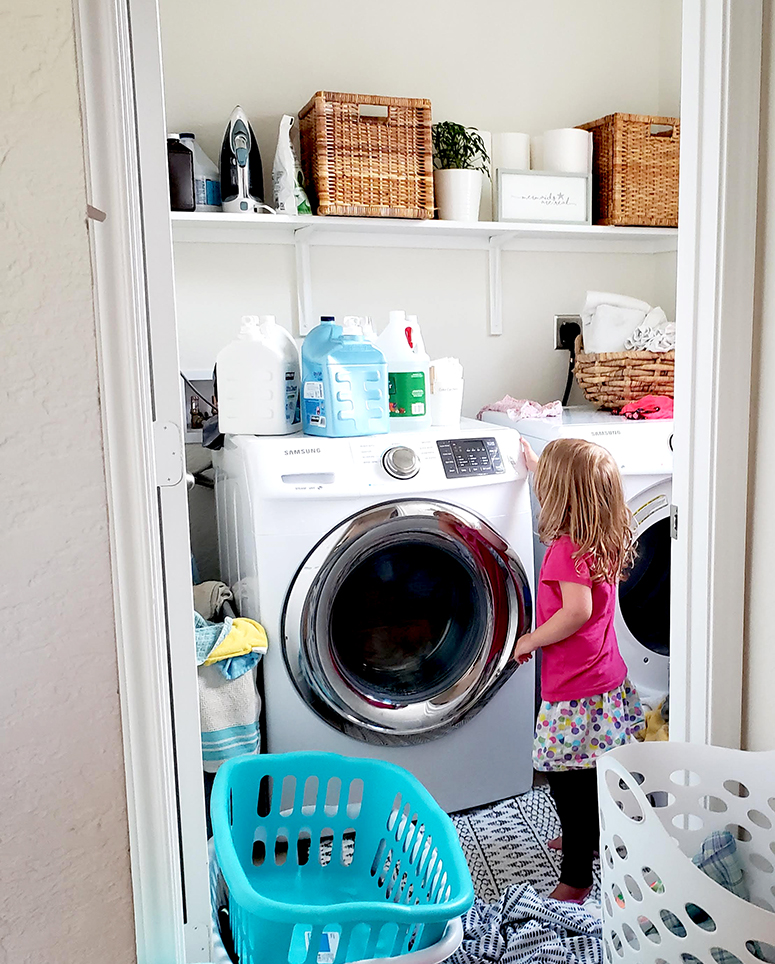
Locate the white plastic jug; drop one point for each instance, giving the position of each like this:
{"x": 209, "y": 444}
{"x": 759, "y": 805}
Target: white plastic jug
{"x": 258, "y": 380}
{"x": 408, "y": 378}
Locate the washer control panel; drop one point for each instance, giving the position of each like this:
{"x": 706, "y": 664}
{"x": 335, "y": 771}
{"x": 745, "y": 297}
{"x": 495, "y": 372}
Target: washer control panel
{"x": 470, "y": 456}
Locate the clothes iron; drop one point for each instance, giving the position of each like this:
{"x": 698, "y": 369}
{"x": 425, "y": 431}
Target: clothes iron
{"x": 242, "y": 177}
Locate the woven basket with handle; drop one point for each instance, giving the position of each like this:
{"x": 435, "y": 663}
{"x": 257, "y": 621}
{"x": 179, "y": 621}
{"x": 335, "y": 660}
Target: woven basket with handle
{"x": 611, "y": 379}
{"x": 635, "y": 169}
{"x": 367, "y": 156}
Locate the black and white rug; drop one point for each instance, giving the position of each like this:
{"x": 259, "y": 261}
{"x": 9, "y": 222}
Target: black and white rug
{"x": 506, "y": 843}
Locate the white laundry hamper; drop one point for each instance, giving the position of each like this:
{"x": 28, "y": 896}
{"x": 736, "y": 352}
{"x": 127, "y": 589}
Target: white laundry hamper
{"x": 658, "y": 803}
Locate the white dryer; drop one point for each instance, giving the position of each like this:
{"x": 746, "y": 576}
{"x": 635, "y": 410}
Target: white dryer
{"x": 393, "y": 575}
{"x": 644, "y": 453}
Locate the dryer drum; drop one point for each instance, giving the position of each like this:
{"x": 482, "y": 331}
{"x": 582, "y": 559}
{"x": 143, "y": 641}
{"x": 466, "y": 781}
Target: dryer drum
{"x": 401, "y": 622}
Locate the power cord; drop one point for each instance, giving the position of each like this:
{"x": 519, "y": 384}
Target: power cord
{"x": 567, "y": 333}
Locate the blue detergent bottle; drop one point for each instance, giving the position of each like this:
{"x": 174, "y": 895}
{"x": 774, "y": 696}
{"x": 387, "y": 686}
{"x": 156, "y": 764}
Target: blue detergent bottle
{"x": 344, "y": 383}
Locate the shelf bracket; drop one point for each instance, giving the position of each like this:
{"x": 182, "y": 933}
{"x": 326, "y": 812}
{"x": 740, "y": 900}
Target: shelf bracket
{"x": 301, "y": 240}
{"x": 495, "y": 295}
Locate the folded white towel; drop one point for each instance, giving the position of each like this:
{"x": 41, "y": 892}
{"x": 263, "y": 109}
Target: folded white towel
{"x": 608, "y": 319}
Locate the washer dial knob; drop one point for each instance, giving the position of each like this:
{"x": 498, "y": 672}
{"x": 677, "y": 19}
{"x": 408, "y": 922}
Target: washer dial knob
{"x": 401, "y": 462}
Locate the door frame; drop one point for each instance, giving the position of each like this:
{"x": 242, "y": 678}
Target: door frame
{"x": 142, "y": 424}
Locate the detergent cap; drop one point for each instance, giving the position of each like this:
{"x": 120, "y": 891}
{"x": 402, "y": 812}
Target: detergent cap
{"x": 351, "y": 327}
{"x": 268, "y": 320}
{"x": 397, "y": 316}
{"x": 250, "y": 327}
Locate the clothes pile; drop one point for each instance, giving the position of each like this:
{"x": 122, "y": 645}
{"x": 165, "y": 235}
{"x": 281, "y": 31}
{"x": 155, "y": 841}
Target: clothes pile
{"x": 524, "y": 928}
{"x": 614, "y": 323}
{"x": 517, "y": 408}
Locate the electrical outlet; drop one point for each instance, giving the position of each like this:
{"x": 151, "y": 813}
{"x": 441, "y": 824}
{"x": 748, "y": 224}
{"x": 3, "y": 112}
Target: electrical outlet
{"x": 560, "y": 333}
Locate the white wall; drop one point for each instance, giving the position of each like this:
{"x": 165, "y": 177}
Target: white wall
{"x": 508, "y": 65}
{"x": 65, "y": 890}
{"x": 759, "y": 665}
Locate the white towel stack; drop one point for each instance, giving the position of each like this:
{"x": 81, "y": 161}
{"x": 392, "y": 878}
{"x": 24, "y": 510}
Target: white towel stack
{"x": 612, "y": 322}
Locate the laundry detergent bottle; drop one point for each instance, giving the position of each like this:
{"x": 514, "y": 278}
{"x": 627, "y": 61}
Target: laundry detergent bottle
{"x": 408, "y": 373}
{"x": 344, "y": 383}
{"x": 258, "y": 380}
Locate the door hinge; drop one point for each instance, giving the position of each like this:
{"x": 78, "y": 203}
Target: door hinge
{"x": 168, "y": 446}
{"x": 673, "y": 521}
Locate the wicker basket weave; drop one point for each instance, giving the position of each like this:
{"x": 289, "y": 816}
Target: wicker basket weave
{"x": 362, "y": 165}
{"x": 611, "y": 379}
{"x": 635, "y": 170}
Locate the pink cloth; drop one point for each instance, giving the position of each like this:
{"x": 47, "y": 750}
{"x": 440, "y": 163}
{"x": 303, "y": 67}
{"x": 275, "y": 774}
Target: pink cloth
{"x": 588, "y": 662}
{"x": 650, "y": 406}
{"x": 517, "y": 408}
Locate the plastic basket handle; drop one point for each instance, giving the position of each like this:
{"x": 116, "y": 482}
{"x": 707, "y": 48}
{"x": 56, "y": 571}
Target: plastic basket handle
{"x": 451, "y": 939}
{"x": 606, "y": 764}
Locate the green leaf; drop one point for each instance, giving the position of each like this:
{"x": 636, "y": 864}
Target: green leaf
{"x": 458, "y": 147}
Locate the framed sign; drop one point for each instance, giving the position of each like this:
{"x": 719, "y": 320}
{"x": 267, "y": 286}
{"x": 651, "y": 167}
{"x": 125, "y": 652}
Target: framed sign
{"x": 544, "y": 196}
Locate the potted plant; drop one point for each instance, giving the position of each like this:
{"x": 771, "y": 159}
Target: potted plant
{"x": 459, "y": 159}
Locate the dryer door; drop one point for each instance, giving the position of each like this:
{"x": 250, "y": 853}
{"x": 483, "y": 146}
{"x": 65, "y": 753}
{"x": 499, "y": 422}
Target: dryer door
{"x": 402, "y": 621}
{"x": 643, "y": 613}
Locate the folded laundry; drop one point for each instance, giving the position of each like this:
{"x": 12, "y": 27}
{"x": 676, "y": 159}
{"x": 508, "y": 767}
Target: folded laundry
{"x": 228, "y": 712}
{"x": 209, "y": 598}
{"x": 517, "y": 408}
{"x": 522, "y": 927}
{"x": 611, "y": 323}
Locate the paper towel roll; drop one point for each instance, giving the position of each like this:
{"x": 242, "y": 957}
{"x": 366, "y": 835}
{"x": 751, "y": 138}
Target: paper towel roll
{"x": 568, "y": 151}
{"x": 537, "y": 152}
{"x": 511, "y": 152}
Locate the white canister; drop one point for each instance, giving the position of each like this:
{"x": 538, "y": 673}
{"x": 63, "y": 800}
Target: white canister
{"x": 568, "y": 151}
{"x": 447, "y": 404}
{"x": 458, "y": 193}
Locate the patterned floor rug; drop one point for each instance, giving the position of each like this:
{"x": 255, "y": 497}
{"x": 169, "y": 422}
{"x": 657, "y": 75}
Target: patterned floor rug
{"x": 505, "y": 843}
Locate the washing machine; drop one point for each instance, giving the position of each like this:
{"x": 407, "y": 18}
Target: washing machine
{"x": 644, "y": 452}
{"x": 393, "y": 575}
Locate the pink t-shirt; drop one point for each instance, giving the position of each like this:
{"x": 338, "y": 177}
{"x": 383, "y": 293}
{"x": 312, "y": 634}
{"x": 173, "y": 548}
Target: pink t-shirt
{"x": 588, "y": 662}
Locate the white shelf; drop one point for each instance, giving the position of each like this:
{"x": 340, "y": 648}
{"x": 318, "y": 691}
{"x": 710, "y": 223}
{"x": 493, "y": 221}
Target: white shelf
{"x": 394, "y": 232}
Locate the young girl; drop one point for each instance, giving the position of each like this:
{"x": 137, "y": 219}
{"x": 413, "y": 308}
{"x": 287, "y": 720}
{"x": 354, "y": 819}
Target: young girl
{"x": 589, "y": 705}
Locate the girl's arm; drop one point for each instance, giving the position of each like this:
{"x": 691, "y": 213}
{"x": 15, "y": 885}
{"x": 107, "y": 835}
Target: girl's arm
{"x": 576, "y": 611}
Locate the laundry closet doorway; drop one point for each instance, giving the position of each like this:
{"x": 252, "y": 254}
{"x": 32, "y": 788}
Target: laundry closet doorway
{"x": 125, "y": 131}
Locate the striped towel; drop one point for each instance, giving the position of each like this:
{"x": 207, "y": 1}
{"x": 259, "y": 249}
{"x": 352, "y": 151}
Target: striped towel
{"x": 229, "y": 710}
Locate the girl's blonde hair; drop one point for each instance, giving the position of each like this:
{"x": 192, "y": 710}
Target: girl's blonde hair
{"x": 579, "y": 488}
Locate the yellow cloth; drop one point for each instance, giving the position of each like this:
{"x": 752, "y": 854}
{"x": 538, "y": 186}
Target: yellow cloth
{"x": 656, "y": 729}
{"x": 245, "y": 636}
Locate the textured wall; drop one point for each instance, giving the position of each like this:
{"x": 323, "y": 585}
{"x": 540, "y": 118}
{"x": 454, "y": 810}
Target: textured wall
{"x": 65, "y": 892}
{"x": 759, "y": 667}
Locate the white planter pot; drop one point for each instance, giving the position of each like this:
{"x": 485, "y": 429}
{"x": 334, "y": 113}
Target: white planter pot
{"x": 457, "y": 194}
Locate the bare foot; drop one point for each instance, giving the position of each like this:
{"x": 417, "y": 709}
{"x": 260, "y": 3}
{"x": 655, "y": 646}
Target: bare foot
{"x": 555, "y": 843}
{"x": 573, "y": 895}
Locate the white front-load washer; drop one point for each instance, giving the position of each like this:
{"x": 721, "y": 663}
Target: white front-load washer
{"x": 393, "y": 575}
{"x": 644, "y": 452}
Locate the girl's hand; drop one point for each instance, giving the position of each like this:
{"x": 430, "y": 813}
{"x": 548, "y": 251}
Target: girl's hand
{"x": 523, "y": 651}
{"x": 531, "y": 458}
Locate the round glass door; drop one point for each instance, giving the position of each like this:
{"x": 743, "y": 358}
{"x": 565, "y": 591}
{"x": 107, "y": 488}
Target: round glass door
{"x": 643, "y": 611}
{"x": 402, "y": 621}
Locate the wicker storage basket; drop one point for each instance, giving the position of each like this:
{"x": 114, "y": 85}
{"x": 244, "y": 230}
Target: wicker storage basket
{"x": 635, "y": 170}
{"x": 363, "y": 164}
{"x": 611, "y": 379}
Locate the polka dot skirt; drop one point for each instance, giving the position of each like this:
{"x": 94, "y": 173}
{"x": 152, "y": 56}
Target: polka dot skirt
{"x": 571, "y": 734}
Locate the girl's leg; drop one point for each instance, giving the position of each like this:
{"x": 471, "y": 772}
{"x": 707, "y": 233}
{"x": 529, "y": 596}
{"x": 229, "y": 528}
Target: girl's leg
{"x": 575, "y": 795}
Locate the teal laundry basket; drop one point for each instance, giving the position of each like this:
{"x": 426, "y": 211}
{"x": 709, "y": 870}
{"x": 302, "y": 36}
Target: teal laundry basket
{"x": 330, "y": 859}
